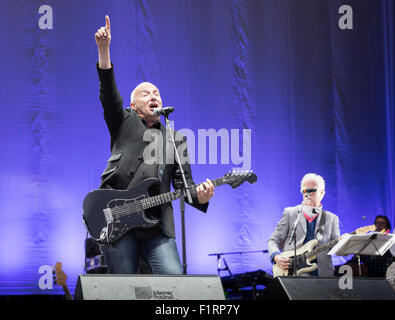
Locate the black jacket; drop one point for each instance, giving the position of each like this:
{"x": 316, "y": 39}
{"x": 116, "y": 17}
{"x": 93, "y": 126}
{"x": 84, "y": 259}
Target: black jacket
{"x": 127, "y": 147}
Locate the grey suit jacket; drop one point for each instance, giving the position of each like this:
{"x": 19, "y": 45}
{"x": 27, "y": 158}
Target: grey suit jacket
{"x": 279, "y": 240}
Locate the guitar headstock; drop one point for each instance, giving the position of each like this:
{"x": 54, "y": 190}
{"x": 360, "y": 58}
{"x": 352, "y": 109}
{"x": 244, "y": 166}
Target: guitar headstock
{"x": 60, "y": 276}
{"x": 384, "y": 231}
{"x": 235, "y": 179}
{"x": 366, "y": 229}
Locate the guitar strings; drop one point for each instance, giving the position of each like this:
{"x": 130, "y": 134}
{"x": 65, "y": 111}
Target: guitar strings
{"x": 136, "y": 206}
{"x": 140, "y": 205}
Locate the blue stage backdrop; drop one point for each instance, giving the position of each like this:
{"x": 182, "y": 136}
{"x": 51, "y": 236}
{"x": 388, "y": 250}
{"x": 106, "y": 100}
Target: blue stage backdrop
{"x": 316, "y": 97}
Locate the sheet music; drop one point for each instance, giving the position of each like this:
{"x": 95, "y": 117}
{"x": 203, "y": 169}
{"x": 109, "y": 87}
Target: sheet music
{"x": 361, "y": 244}
{"x": 392, "y": 249}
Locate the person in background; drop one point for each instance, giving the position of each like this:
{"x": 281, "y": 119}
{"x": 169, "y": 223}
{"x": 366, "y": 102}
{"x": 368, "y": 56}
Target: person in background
{"x": 314, "y": 223}
{"x": 374, "y": 266}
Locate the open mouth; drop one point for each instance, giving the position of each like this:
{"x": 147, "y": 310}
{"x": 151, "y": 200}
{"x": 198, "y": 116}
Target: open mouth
{"x": 153, "y": 106}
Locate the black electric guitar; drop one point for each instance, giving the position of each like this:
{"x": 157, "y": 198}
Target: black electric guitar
{"x": 109, "y": 214}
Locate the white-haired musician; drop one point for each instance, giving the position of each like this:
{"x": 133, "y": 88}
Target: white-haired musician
{"x": 314, "y": 223}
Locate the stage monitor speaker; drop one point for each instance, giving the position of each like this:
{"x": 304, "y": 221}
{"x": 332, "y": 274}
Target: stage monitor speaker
{"x": 144, "y": 287}
{"x": 311, "y": 288}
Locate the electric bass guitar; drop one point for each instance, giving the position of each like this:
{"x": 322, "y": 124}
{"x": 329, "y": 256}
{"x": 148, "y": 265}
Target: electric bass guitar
{"x": 307, "y": 253}
{"x": 109, "y": 214}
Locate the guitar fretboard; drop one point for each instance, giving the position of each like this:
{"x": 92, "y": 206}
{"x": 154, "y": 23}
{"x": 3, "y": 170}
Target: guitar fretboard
{"x": 324, "y": 247}
{"x": 163, "y": 198}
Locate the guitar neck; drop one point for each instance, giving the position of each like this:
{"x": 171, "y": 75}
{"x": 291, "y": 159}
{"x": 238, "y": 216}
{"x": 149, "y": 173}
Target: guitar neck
{"x": 216, "y": 183}
{"x": 174, "y": 195}
{"x": 67, "y": 293}
{"x": 325, "y": 247}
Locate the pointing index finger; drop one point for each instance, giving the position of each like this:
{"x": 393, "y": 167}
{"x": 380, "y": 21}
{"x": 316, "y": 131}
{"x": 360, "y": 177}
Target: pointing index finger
{"x": 108, "y": 22}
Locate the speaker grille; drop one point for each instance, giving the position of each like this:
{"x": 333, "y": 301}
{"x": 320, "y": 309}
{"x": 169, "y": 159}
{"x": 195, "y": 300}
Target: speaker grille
{"x": 143, "y": 293}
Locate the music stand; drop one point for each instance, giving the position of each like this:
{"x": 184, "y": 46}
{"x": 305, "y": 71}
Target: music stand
{"x": 371, "y": 244}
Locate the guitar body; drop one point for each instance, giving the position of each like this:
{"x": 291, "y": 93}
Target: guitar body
{"x": 303, "y": 265}
{"x": 107, "y": 226}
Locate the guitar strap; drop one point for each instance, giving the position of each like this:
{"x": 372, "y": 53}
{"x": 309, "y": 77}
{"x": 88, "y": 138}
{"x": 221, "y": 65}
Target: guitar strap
{"x": 320, "y": 230}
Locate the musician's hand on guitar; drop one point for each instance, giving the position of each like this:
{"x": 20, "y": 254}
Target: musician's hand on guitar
{"x": 282, "y": 262}
{"x": 205, "y": 191}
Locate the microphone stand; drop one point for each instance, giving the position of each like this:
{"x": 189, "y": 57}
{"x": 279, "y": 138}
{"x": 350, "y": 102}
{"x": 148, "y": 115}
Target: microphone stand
{"x": 184, "y": 191}
{"x": 293, "y": 234}
{"x": 218, "y": 255}
{"x": 219, "y": 269}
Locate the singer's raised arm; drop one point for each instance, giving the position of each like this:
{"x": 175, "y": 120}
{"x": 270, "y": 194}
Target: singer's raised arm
{"x": 110, "y": 97}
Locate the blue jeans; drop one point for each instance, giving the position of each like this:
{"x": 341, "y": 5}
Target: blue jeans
{"x": 159, "y": 252}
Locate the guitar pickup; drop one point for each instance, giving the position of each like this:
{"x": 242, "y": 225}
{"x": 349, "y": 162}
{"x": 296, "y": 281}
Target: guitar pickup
{"x": 108, "y": 215}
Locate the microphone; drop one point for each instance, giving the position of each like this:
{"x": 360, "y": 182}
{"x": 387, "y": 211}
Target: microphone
{"x": 163, "y": 111}
{"x": 309, "y": 190}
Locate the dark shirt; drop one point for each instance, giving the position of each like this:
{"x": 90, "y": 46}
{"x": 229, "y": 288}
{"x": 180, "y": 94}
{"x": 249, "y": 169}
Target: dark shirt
{"x": 376, "y": 265}
{"x": 310, "y": 228}
{"x": 145, "y": 171}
